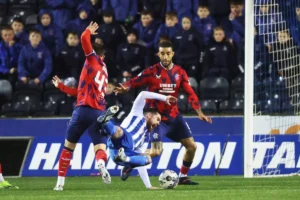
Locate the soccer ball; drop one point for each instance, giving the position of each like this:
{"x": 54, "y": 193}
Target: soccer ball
{"x": 168, "y": 179}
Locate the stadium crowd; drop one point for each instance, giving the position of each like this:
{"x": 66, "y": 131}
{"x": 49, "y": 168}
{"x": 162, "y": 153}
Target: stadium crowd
{"x": 40, "y": 39}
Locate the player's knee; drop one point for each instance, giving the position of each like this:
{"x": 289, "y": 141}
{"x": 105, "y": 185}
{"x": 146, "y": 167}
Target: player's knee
{"x": 70, "y": 145}
{"x": 118, "y": 133}
{"x": 156, "y": 152}
{"x": 192, "y": 147}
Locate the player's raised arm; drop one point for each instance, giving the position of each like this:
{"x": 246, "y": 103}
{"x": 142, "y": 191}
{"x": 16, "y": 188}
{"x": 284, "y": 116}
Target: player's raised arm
{"x": 140, "y": 101}
{"x": 192, "y": 97}
{"x": 86, "y": 38}
{"x": 65, "y": 89}
{"x": 143, "y": 79}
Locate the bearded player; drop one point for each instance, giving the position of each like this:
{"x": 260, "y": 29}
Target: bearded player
{"x": 168, "y": 78}
{"x": 90, "y": 104}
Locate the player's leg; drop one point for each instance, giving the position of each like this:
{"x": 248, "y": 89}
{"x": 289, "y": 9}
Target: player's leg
{"x": 5, "y": 184}
{"x": 75, "y": 129}
{"x": 129, "y": 158}
{"x": 180, "y": 132}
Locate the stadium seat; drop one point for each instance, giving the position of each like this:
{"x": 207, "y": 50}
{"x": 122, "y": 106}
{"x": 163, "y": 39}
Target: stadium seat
{"x": 214, "y": 88}
{"x": 5, "y": 91}
{"x": 54, "y": 96}
{"x": 237, "y": 88}
{"x": 31, "y": 86}
{"x": 65, "y": 108}
{"x": 18, "y": 109}
{"x": 208, "y": 106}
{"x": 31, "y": 20}
{"x": 193, "y": 83}
{"x": 232, "y": 107}
{"x": 44, "y": 109}
{"x": 22, "y": 11}
{"x": 182, "y": 103}
{"x": 29, "y": 97}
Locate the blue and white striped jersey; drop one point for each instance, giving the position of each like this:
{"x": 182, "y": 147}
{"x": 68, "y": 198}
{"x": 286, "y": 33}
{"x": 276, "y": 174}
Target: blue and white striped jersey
{"x": 135, "y": 122}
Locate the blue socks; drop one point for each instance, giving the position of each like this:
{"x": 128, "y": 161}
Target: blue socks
{"x": 109, "y": 128}
{"x": 138, "y": 160}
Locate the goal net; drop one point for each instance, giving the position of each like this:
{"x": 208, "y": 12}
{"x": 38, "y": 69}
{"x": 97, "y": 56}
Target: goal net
{"x": 273, "y": 68}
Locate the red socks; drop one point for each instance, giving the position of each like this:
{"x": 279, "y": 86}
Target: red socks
{"x": 101, "y": 155}
{"x": 0, "y": 169}
{"x": 64, "y": 161}
{"x": 185, "y": 167}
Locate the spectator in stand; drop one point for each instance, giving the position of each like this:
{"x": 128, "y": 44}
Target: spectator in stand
{"x": 204, "y": 23}
{"x": 35, "y": 61}
{"x": 9, "y": 54}
{"x": 295, "y": 28}
{"x": 219, "y": 9}
{"x": 97, "y": 6}
{"x": 62, "y": 11}
{"x": 21, "y": 36}
{"x": 188, "y": 44}
{"x": 83, "y": 19}
{"x": 168, "y": 29}
{"x": 131, "y": 56}
{"x": 234, "y": 25}
{"x": 158, "y": 8}
{"x": 268, "y": 20}
{"x": 219, "y": 59}
{"x": 111, "y": 33}
{"x": 262, "y": 64}
{"x": 52, "y": 35}
{"x": 146, "y": 29}
{"x": 125, "y": 10}
{"x": 184, "y": 8}
{"x": 71, "y": 58}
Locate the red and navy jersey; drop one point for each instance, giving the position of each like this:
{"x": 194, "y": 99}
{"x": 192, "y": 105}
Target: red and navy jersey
{"x": 93, "y": 78}
{"x": 168, "y": 82}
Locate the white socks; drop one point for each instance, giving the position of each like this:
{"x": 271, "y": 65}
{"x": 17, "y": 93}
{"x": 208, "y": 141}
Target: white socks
{"x": 100, "y": 162}
{"x": 144, "y": 176}
{"x": 1, "y": 178}
{"x": 60, "y": 181}
{"x": 182, "y": 175}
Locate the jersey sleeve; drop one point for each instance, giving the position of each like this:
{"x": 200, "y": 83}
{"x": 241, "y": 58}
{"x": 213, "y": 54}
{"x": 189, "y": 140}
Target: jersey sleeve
{"x": 68, "y": 90}
{"x": 192, "y": 97}
{"x": 86, "y": 43}
{"x": 140, "y": 101}
{"x": 143, "y": 79}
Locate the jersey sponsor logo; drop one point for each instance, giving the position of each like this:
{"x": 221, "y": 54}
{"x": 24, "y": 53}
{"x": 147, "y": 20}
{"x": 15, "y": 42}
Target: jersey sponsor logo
{"x": 167, "y": 88}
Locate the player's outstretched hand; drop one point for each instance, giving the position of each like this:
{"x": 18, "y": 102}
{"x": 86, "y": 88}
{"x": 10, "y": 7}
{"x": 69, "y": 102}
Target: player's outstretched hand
{"x": 204, "y": 117}
{"x": 154, "y": 188}
{"x": 121, "y": 89}
{"x": 93, "y": 27}
{"x": 170, "y": 99}
{"x": 56, "y": 81}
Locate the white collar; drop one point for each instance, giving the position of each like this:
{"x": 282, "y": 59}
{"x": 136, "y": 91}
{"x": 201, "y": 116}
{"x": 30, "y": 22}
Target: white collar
{"x": 166, "y": 68}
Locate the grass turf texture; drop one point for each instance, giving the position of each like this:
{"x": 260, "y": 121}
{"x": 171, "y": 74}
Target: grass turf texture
{"x": 224, "y": 187}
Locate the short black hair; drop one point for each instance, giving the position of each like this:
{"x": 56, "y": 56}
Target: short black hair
{"x": 99, "y": 49}
{"x": 166, "y": 44}
{"x": 146, "y": 12}
{"x": 108, "y": 13}
{"x": 72, "y": 33}
{"x": 7, "y": 28}
{"x": 18, "y": 19}
{"x": 34, "y": 30}
{"x": 150, "y": 110}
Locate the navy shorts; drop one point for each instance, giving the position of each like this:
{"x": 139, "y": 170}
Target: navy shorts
{"x": 85, "y": 118}
{"x": 175, "y": 129}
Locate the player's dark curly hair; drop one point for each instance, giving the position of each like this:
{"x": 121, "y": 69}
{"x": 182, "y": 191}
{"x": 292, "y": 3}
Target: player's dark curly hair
{"x": 99, "y": 49}
{"x": 166, "y": 44}
{"x": 150, "y": 110}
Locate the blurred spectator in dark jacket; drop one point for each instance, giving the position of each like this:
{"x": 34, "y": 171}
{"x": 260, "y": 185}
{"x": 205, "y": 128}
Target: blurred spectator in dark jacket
{"x": 97, "y": 6}
{"x": 295, "y": 27}
{"x": 188, "y": 45}
{"x": 62, "y": 11}
{"x": 35, "y": 60}
{"x": 82, "y": 20}
{"x": 219, "y": 9}
{"x": 204, "y": 23}
{"x": 219, "y": 59}
{"x": 21, "y": 36}
{"x": 131, "y": 56}
{"x": 158, "y": 8}
{"x": 125, "y": 10}
{"x": 169, "y": 28}
{"x": 70, "y": 60}
{"x": 184, "y": 8}
{"x": 9, "y": 55}
{"x": 51, "y": 34}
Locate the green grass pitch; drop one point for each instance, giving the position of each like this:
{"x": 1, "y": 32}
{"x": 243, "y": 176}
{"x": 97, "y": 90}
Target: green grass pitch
{"x": 86, "y": 188}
